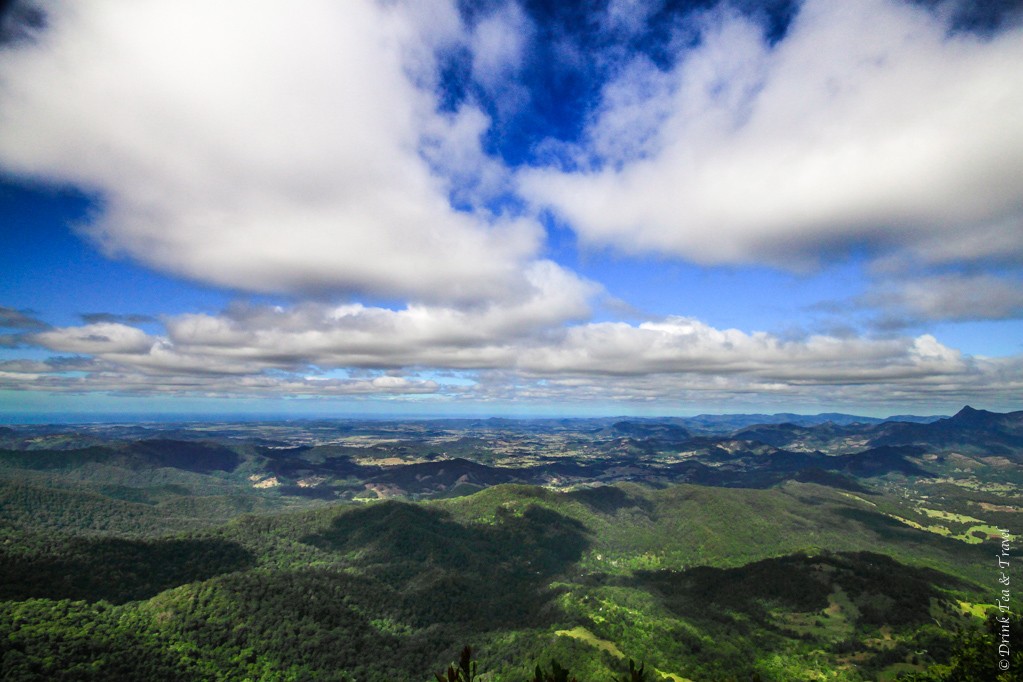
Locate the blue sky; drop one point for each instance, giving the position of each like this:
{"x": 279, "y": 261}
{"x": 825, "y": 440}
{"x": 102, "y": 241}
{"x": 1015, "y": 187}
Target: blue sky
{"x": 507, "y": 207}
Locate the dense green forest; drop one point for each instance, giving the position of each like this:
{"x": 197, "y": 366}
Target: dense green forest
{"x": 136, "y": 562}
{"x": 391, "y": 590}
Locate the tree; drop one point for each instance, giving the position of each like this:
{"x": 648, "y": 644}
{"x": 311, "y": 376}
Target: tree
{"x": 635, "y": 674}
{"x": 465, "y": 672}
{"x": 557, "y": 674}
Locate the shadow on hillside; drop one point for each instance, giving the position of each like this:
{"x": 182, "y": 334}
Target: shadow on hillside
{"x": 882, "y": 590}
{"x": 607, "y": 499}
{"x": 444, "y": 572}
{"x": 198, "y": 457}
{"x": 116, "y": 570}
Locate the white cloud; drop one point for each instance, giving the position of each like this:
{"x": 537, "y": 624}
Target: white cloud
{"x": 683, "y": 346}
{"x": 868, "y": 122}
{"x": 955, "y": 297}
{"x": 453, "y": 147}
{"x": 498, "y": 43}
{"x": 500, "y": 354}
{"x": 629, "y": 17}
{"x": 97, "y": 339}
{"x": 128, "y": 380}
{"x": 252, "y": 146}
{"x": 360, "y": 336}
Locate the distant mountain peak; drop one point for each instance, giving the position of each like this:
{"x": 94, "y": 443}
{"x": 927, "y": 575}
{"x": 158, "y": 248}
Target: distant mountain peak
{"x": 970, "y": 414}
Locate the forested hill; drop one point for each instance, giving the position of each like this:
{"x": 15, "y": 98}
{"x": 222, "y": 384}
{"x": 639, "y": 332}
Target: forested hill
{"x": 677, "y": 577}
{"x": 378, "y": 551}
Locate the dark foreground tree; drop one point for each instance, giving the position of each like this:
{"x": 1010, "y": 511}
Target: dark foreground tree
{"x": 557, "y": 674}
{"x": 635, "y": 674}
{"x": 465, "y": 672}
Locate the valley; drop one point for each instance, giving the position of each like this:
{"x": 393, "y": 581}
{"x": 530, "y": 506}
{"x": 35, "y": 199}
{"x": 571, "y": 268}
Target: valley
{"x": 771, "y": 547}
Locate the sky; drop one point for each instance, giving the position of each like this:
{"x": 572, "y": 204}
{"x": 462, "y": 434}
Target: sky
{"x": 510, "y": 207}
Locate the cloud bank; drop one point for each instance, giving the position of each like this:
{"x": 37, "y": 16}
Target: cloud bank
{"x": 500, "y": 355}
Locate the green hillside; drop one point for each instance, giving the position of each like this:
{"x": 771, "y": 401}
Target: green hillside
{"x": 697, "y": 583}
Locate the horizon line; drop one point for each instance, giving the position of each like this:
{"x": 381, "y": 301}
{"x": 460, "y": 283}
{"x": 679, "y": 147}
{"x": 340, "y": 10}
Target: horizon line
{"x": 114, "y": 418}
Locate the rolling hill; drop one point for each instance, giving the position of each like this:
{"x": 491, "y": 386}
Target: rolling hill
{"x": 377, "y": 551}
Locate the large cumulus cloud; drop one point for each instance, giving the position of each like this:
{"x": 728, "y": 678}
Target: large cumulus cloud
{"x": 869, "y": 126}
{"x": 256, "y": 147}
